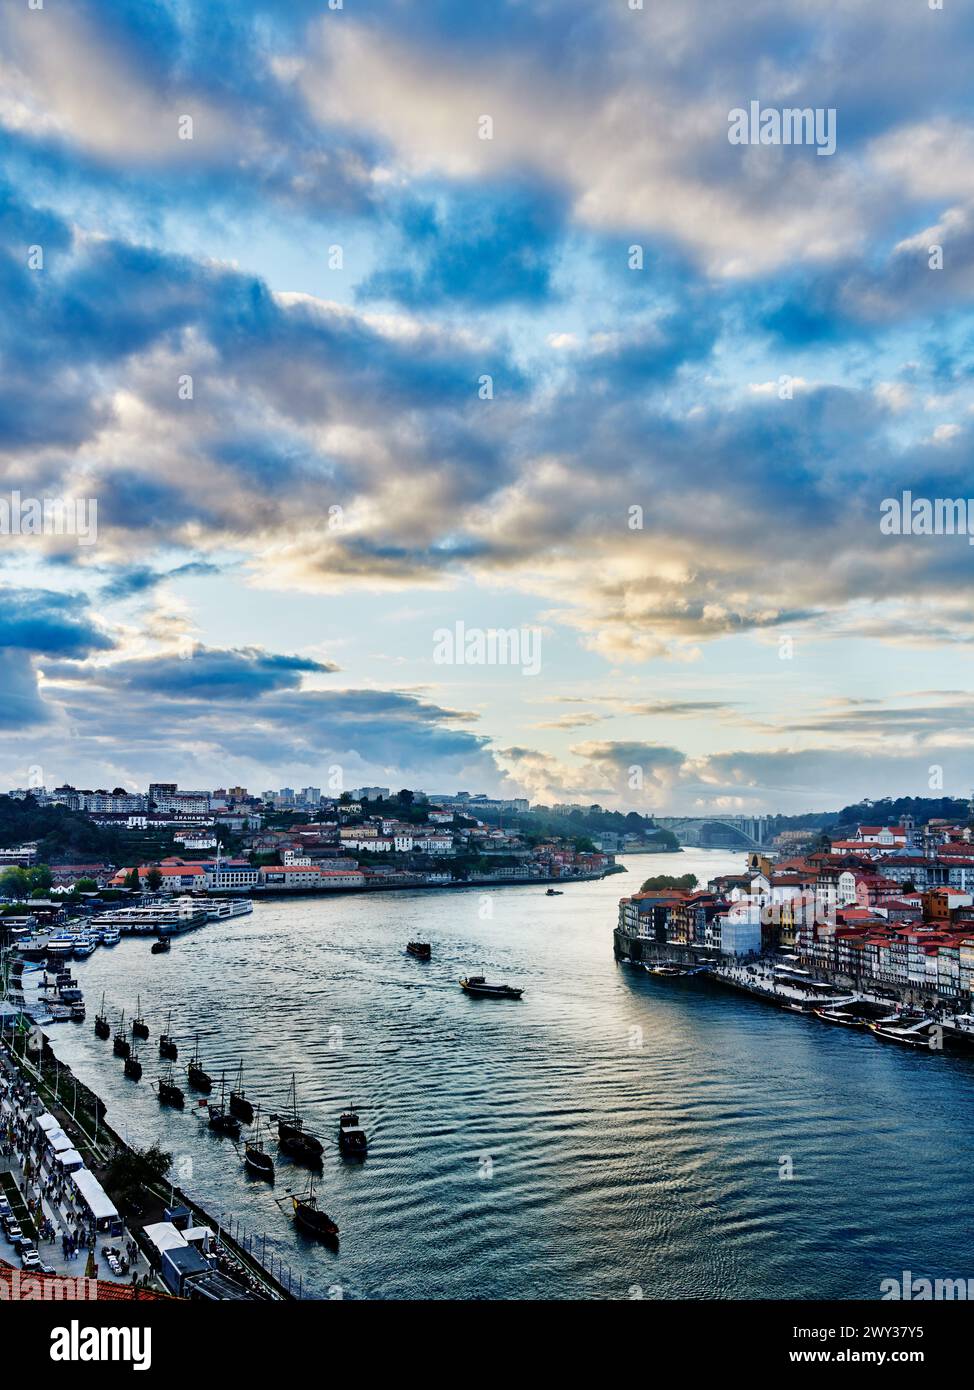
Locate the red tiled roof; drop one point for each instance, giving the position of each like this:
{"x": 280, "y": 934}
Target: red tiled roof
{"x": 23, "y": 1284}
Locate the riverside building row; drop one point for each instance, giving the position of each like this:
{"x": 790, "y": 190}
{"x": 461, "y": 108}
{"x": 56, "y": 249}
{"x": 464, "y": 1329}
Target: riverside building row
{"x": 875, "y": 913}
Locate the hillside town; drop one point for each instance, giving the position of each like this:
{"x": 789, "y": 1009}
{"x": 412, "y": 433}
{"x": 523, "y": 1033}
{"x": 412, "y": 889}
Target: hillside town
{"x": 890, "y": 909}
{"x": 228, "y": 841}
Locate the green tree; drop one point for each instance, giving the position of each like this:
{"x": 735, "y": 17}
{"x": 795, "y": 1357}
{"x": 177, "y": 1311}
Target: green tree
{"x": 131, "y": 879}
{"x": 131, "y": 1169}
{"x": 405, "y": 797}
{"x": 662, "y": 881}
{"x": 14, "y": 882}
{"x": 154, "y": 879}
{"x": 86, "y": 885}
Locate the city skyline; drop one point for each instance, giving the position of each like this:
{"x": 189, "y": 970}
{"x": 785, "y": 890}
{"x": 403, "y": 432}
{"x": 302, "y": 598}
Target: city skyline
{"x": 529, "y": 346}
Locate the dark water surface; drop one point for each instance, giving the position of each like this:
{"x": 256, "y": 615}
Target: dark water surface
{"x": 609, "y": 1131}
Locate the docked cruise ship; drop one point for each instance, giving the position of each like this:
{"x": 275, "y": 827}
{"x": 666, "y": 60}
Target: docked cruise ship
{"x": 172, "y": 918}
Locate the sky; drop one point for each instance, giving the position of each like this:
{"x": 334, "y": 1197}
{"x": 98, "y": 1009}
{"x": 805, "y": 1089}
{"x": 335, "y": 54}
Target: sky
{"x": 361, "y": 321}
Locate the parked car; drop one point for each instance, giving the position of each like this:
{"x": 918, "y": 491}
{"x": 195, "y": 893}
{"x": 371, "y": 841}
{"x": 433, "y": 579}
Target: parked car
{"x": 13, "y": 1231}
{"x": 29, "y": 1259}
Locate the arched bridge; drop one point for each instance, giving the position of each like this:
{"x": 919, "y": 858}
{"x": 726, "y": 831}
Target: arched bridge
{"x": 718, "y": 832}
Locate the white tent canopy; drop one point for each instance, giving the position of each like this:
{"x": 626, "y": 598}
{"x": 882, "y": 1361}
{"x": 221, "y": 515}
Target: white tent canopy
{"x": 94, "y": 1195}
{"x": 70, "y": 1159}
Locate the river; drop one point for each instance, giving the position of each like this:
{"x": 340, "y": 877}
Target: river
{"x": 612, "y": 1134}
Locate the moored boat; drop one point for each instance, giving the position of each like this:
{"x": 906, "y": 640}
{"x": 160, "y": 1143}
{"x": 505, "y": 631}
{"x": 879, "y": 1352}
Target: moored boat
{"x": 133, "y": 1067}
{"x": 291, "y": 1137}
{"x": 197, "y": 1076}
{"x": 169, "y": 1092}
{"x": 220, "y": 1118}
{"x": 102, "y": 1027}
{"x": 255, "y": 1157}
{"x": 309, "y": 1215}
{"x": 120, "y": 1044}
{"x": 917, "y": 1036}
{"x": 240, "y": 1106}
{"x": 352, "y": 1139}
{"x": 844, "y": 1020}
{"x": 140, "y": 1029}
{"x": 477, "y": 986}
{"x": 167, "y": 1043}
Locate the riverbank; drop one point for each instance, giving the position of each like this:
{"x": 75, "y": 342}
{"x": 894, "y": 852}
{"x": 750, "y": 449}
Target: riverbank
{"x": 101, "y": 1148}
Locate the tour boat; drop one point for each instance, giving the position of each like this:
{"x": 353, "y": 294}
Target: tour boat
{"x": 918, "y": 1035}
{"x": 310, "y": 1216}
{"x": 291, "y": 1137}
{"x": 140, "y": 1029}
{"x": 477, "y": 986}
{"x": 239, "y": 1104}
{"x": 102, "y": 1026}
{"x": 167, "y": 1043}
{"x": 352, "y": 1139}
{"x": 197, "y": 1076}
{"x": 169, "y": 1092}
{"x": 255, "y": 1157}
{"x": 220, "y": 1118}
{"x": 846, "y": 1020}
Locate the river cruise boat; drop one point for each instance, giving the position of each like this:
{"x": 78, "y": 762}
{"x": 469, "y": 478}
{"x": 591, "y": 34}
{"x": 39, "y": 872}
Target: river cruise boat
{"x": 477, "y": 986}
{"x": 917, "y": 1035}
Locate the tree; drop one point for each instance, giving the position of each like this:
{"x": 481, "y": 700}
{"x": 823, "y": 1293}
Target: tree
{"x": 405, "y": 797}
{"x": 130, "y": 1170}
{"x": 132, "y": 879}
{"x": 154, "y": 879}
{"x": 661, "y": 881}
{"x": 86, "y": 885}
{"x": 14, "y": 882}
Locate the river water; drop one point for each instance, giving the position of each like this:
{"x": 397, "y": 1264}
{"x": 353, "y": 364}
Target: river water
{"x": 611, "y": 1133}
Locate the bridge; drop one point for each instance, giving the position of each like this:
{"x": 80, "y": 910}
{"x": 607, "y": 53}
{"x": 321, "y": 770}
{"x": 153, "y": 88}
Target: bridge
{"x": 718, "y": 832}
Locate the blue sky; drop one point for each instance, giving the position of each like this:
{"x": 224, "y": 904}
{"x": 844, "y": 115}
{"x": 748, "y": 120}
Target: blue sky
{"x": 336, "y": 258}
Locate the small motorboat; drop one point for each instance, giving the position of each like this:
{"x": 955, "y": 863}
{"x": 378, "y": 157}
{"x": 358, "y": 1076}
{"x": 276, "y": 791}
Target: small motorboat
{"x": 352, "y": 1139}
{"x": 422, "y": 950}
{"x": 161, "y": 945}
{"x": 477, "y": 986}
{"x": 554, "y": 893}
